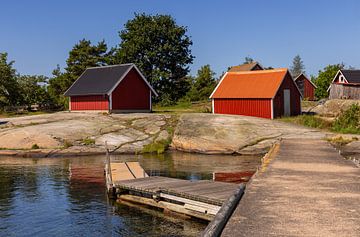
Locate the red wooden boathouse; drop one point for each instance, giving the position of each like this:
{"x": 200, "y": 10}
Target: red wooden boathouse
{"x": 306, "y": 87}
{"x": 263, "y": 93}
{"x": 117, "y": 88}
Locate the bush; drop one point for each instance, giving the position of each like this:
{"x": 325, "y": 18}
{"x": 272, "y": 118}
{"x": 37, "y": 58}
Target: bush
{"x": 35, "y": 146}
{"x": 348, "y": 121}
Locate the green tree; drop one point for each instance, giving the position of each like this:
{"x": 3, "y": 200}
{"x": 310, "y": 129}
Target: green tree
{"x": 203, "y": 84}
{"x": 82, "y": 56}
{"x": 248, "y": 60}
{"x": 9, "y": 88}
{"x": 297, "y": 66}
{"x": 161, "y": 50}
{"x": 33, "y": 89}
{"x": 324, "y": 78}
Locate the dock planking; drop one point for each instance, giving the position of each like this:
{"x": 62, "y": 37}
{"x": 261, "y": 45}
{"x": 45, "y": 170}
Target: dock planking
{"x": 195, "y": 198}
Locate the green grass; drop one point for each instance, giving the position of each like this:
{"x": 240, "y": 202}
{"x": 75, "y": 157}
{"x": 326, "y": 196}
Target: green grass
{"x": 348, "y": 122}
{"x": 184, "y": 107}
{"x": 158, "y": 147}
{"x": 88, "y": 141}
{"x": 309, "y": 121}
{"x": 340, "y": 141}
{"x": 67, "y": 144}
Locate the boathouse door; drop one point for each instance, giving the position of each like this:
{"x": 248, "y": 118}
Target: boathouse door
{"x": 286, "y": 102}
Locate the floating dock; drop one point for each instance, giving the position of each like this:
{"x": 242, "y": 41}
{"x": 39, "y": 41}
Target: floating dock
{"x": 128, "y": 182}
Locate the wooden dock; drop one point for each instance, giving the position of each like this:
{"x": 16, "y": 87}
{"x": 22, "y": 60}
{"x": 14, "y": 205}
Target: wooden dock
{"x": 128, "y": 182}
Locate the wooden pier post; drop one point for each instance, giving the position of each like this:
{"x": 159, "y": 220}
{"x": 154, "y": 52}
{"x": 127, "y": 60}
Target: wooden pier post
{"x": 216, "y": 226}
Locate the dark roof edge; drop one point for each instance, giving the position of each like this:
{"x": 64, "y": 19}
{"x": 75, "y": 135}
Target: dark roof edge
{"x": 303, "y": 74}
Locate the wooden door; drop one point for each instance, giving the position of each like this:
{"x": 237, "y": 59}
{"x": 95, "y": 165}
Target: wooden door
{"x": 287, "y": 102}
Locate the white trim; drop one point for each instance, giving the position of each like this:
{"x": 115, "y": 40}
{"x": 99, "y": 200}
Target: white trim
{"x": 69, "y": 103}
{"x": 125, "y": 74}
{"x": 213, "y": 106}
{"x": 334, "y": 79}
{"x": 110, "y": 102}
{"x": 306, "y": 79}
{"x": 218, "y": 85}
{"x": 272, "y": 108}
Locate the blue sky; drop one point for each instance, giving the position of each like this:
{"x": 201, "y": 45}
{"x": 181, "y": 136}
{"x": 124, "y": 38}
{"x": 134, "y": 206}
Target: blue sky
{"x": 39, "y": 34}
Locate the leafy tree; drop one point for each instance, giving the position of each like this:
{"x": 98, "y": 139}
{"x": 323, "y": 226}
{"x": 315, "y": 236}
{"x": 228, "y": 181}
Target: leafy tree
{"x": 203, "y": 84}
{"x": 9, "y": 88}
{"x": 324, "y": 78}
{"x": 248, "y": 60}
{"x": 33, "y": 89}
{"x": 297, "y": 66}
{"x": 161, "y": 50}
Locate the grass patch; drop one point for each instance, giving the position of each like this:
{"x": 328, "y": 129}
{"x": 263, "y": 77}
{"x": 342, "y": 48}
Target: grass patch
{"x": 88, "y": 141}
{"x": 309, "y": 121}
{"x": 158, "y": 147}
{"x": 67, "y": 144}
{"x": 348, "y": 121}
{"x": 340, "y": 141}
{"x": 184, "y": 107}
{"x": 35, "y": 146}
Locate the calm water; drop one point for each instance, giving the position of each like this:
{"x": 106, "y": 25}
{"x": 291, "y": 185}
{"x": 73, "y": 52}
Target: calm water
{"x": 67, "y": 197}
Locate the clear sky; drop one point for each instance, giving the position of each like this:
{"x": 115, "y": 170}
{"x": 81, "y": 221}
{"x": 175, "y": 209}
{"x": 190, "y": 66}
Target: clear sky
{"x": 39, "y": 34}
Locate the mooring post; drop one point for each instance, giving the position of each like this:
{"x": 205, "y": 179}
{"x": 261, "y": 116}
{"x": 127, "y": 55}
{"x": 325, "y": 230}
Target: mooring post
{"x": 217, "y": 225}
{"x": 109, "y": 182}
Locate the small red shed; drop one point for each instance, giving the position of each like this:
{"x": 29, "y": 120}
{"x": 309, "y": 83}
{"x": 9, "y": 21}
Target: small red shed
{"x": 263, "y": 93}
{"x": 306, "y": 87}
{"x": 117, "y": 88}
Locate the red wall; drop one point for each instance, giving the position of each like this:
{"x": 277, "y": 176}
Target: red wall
{"x": 131, "y": 94}
{"x": 295, "y": 98}
{"x": 309, "y": 90}
{"x": 89, "y": 102}
{"x": 249, "y": 107}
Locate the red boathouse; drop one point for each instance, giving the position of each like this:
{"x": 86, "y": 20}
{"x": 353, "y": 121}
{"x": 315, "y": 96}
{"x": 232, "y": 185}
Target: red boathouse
{"x": 263, "y": 93}
{"x": 117, "y": 88}
{"x": 306, "y": 87}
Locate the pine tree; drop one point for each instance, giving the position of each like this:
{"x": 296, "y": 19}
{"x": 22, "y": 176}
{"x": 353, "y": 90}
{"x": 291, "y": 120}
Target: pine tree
{"x": 297, "y": 67}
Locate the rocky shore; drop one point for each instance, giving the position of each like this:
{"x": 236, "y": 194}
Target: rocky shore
{"x": 69, "y": 134}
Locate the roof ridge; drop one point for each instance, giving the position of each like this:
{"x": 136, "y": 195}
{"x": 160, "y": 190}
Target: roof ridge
{"x": 115, "y": 65}
{"x": 259, "y": 71}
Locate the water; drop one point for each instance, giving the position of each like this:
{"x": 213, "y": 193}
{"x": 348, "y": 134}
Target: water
{"x": 67, "y": 196}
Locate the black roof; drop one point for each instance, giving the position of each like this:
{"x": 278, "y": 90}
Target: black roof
{"x": 98, "y": 80}
{"x": 352, "y": 76}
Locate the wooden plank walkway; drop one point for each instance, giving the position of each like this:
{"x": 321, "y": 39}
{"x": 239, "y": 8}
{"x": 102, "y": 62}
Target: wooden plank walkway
{"x": 308, "y": 189}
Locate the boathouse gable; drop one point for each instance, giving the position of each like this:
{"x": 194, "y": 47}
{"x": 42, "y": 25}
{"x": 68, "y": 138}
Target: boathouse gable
{"x": 117, "y": 88}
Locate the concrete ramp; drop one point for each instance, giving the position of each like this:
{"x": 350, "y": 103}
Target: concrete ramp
{"x": 308, "y": 189}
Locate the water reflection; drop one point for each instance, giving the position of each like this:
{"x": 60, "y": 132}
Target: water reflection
{"x": 66, "y": 196}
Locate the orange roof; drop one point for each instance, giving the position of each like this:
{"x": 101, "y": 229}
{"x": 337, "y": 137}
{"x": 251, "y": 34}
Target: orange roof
{"x": 250, "y": 84}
